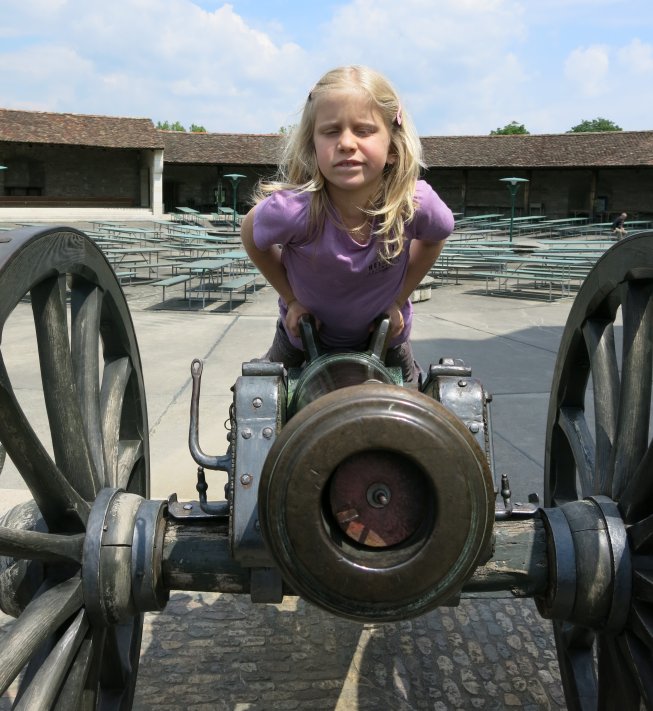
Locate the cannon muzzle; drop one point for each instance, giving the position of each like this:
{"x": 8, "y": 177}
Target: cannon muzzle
{"x": 376, "y": 502}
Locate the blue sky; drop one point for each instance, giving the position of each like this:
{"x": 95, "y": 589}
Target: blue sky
{"x": 462, "y": 67}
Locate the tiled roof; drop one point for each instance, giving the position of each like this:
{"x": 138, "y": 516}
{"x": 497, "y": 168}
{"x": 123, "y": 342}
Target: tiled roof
{"x": 614, "y": 148}
{"x": 221, "y": 148}
{"x": 610, "y": 148}
{"x": 78, "y": 130}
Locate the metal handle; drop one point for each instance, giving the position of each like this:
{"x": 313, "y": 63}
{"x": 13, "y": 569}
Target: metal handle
{"x": 378, "y": 346}
{"x": 308, "y": 334}
{"x": 219, "y": 463}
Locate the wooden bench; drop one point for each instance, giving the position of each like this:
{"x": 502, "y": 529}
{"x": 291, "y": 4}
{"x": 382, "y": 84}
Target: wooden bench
{"x": 125, "y": 275}
{"x": 135, "y": 266}
{"x": 171, "y": 281}
{"x": 237, "y": 283}
{"x": 522, "y": 275}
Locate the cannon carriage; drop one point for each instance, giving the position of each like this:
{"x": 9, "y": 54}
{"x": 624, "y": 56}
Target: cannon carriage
{"x": 366, "y": 497}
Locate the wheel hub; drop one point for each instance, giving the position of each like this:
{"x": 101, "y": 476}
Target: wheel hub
{"x": 122, "y": 557}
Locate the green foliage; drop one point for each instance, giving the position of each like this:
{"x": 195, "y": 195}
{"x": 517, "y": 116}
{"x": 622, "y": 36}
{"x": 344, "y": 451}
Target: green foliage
{"x": 597, "y": 124}
{"x": 167, "y": 126}
{"x": 285, "y": 130}
{"x": 197, "y": 129}
{"x": 510, "y": 129}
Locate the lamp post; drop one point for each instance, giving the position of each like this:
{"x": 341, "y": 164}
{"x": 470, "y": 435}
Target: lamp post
{"x": 234, "y": 178}
{"x": 513, "y": 186}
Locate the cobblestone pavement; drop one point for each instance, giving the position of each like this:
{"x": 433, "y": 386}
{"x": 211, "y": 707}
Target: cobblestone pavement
{"x": 218, "y": 652}
{"x": 211, "y": 652}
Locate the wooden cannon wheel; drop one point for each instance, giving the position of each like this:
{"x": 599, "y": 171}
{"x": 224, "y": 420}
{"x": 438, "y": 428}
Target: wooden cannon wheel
{"x": 88, "y": 368}
{"x": 598, "y": 445}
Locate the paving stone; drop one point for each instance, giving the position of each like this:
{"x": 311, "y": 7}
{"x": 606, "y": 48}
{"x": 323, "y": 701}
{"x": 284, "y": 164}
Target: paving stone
{"x": 393, "y": 666}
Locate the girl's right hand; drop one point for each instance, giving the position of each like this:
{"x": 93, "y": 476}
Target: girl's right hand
{"x": 396, "y": 320}
{"x": 295, "y": 310}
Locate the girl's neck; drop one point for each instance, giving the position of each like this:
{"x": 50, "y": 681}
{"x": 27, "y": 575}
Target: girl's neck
{"x": 355, "y": 222}
{"x": 351, "y": 203}
{"x": 350, "y": 208}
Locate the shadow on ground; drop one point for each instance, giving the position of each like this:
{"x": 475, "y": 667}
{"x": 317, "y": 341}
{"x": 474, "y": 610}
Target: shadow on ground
{"x": 221, "y": 652}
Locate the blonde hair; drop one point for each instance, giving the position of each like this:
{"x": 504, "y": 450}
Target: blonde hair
{"x": 393, "y": 206}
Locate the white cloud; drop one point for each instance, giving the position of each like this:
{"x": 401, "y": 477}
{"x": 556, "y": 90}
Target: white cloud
{"x": 461, "y": 66}
{"x": 587, "y": 68}
{"x": 637, "y": 57}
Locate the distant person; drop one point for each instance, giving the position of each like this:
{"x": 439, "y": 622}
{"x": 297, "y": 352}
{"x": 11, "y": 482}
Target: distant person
{"x": 618, "y": 229}
{"x": 358, "y": 231}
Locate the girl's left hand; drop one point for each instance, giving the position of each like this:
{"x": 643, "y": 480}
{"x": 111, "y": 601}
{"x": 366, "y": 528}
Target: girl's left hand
{"x": 396, "y": 320}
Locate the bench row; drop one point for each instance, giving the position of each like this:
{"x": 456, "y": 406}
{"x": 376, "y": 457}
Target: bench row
{"x": 235, "y": 284}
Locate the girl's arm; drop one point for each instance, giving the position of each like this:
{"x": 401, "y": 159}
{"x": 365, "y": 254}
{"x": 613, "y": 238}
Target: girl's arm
{"x": 269, "y": 264}
{"x": 421, "y": 257}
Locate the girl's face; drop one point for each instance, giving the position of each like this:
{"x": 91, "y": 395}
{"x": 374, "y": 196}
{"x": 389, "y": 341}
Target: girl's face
{"x": 352, "y": 144}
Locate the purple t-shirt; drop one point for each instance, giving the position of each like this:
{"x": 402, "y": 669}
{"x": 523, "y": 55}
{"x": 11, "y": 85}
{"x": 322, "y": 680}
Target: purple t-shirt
{"x": 345, "y": 285}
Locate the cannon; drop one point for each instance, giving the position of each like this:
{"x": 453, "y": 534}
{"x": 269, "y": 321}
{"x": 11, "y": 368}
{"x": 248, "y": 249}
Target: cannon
{"x": 371, "y": 499}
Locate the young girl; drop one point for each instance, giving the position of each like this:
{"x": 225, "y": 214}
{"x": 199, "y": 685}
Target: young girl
{"x": 348, "y": 231}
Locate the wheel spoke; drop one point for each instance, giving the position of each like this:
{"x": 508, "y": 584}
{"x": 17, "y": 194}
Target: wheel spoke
{"x": 599, "y": 338}
{"x": 71, "y": 450}
{"x": 640, "y": 536}
{"x": 637, "y": 499}
{"x": 640, "y": 662}
{"x": 576, "y": 655}
{"x": 86, "y": 309}
{"x": 46, "y": 683}
{"x": 642, "y": 623}
{"x": 573, "y": 424}
{"x": 561, "y": 487}
{"x": 131, "y": 451}
{"x": 54, "y": 495}
{"x": 616, "y": 685}
{"x": 114, "y": 386}
{"x": 75, "y": 685}
{"x": 635, "y": 398}
{"x": 33, "y": 545}
{"x": 117, "y": 666}
{"x": 40, "y": 619}
{"x": 643, "y": 585}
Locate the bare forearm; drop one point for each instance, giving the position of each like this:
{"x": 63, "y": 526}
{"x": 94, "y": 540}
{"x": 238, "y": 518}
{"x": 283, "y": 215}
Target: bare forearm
{"x": 422, "y": 257}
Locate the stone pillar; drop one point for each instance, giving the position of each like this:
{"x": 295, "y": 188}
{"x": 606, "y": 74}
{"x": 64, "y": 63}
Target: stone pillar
{"x": 156, "y": 182}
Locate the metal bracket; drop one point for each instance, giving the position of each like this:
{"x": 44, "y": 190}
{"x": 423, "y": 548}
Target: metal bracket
{"x": 260, "y": 397}
{"x": 450, "y": 383}
{"x": 192, "y": 510}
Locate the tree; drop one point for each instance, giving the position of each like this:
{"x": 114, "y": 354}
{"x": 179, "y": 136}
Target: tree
{"x": 597, "y": 124}
{"x": 197, "y": 129}
{"x": 167, "y": 126}
{"x": 286, "y": 130}
{"x": 510, "y": 129}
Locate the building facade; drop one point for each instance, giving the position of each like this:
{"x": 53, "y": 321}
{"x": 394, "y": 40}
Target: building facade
{"x": 68, "y": 166}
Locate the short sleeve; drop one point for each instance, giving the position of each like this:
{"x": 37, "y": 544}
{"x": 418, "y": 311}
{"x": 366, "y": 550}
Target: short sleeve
{"x": 433, "y": 219}
{"x": 281, "y": 218}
